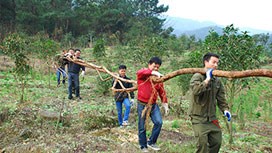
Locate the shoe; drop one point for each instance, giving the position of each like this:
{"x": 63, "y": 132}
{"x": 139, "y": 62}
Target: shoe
{"x": 79, "y": 98}
{"x": 70, "y": 97}
{"x": 154, "y": 147}
{"x": 125, "y": 123}
{"x": 144, "y": 150}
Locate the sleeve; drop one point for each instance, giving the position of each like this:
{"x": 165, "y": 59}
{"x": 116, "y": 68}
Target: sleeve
{"x": 144, "y": 73}
{"x": 82, "y": 68}
{"x": 197, "y": 84}
{"x": 131, "y": 93}
{"x": 162, "y": 93}
{"x": 221, "y": 98}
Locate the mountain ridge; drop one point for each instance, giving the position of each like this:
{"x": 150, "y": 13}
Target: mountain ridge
{"x": 200, "y": 29}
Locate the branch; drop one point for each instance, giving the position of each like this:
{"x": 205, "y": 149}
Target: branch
{"x": 219, "y": 73}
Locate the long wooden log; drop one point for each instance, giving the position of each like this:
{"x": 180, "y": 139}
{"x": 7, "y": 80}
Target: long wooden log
{"x": 219, "y": 73}
{"x": 100, "y": 69}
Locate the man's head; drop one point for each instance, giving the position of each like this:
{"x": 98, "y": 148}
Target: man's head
{"x": 64, "y": 52}
{"x": 77, "y": 52}
{"x": 211, "y": 60}
{"x": 71, "y": 51}
{"x": 122, "y": 70}
{"x": 154, "y": 63}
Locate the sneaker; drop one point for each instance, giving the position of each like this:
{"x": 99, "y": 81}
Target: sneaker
{"x": 125, "y": 123}
{"x": 144, "y": 150}
{"x": 153, "y": 146}
{"x": 79, "y": 98}
{"x": 70, "y": 97}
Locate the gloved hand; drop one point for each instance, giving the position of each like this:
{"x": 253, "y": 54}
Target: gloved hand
{"x": 156, "y": 73}
{"x": 83, "y": 73}
{"x": 166, "y": 108}
{"x": 227, "y": 114}
{"x": 67, "y": 55}
{"x": 209, "y": 74}
{"x": 131, "y": 102}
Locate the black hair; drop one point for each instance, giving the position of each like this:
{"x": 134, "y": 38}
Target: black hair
{"x": 122, "y": 67}
{"x": 77, "y": 50}
{"x": 155, "y": 60}
{"x": 208, "y": 56}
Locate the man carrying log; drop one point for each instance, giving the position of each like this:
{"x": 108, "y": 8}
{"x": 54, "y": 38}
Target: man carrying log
{"x": 147, "y": 102}
{"x": 206, "y": 92}
{"x": 73, "y": 75}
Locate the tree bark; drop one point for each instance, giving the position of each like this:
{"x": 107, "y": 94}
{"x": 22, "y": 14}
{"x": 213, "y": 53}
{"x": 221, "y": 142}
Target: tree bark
{"x": 219, "y": 73}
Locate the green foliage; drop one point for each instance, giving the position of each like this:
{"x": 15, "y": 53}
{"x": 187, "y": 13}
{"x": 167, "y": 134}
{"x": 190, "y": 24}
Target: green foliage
{"x": 237, "y": 51}
{"x": 79, "y": 17}
{"x": 99, "y": 49}
{"x": 175, "y": 124}
{"x": 191, "y": 59}
{"x": 15, "y": 47}
{"x": 45, "y": 47}
{"x": 250, "y": 104}
{"x": 67, "y": 40}
{"x": 103, "y": 87}
{"x": 148, "y": 47}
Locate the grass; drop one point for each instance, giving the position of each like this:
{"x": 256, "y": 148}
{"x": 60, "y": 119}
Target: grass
{"x": 91, "y": 124}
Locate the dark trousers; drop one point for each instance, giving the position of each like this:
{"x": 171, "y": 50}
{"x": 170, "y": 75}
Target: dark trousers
{"x": 73, "y": 78}
{"x": 208, "y": 137}
{"x": 61, "y": 71}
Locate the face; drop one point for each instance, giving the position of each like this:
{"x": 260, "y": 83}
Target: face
{"x": 71, "y": 51}
{"x": 212, "y": 63}
{"x": 64, "y": 52}
{"x": 122, "y": 72}
{"x": 154, "y": 67}
{"x": 77, "y": 54}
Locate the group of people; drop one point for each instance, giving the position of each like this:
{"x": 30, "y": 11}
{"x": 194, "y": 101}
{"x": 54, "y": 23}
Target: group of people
{"x": 206, "y": 92}
{"x": 73, "y": 71}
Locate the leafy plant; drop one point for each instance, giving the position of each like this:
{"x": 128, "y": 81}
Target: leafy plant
{"x": 99, "y": 49}
{"x": 15, "y": 47}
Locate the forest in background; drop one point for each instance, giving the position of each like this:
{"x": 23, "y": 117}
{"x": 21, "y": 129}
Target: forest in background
{"x": 111, "y": 33}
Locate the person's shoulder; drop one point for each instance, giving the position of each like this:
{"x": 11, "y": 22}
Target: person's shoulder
{"x": 143, "y": 69}
{"x": 198, "y": 75}
{"x": 126, "y": 77}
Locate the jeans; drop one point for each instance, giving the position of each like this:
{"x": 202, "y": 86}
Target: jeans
{"x": 120, "y": 110}
{"x": 156, "y": 118}
{"x": 62, "y": 72}
{"x": 73, "y": 77}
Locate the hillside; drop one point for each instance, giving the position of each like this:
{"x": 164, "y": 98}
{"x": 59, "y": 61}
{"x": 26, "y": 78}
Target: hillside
{"x": 90, "y": 124}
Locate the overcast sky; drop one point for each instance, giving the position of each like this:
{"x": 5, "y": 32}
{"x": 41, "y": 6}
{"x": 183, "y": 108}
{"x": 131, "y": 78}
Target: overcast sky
{"x": 255, "y": 14}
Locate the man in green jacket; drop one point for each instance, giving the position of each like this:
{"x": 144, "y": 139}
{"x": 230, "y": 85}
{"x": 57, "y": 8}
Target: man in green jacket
{"x": 206, "y": 92}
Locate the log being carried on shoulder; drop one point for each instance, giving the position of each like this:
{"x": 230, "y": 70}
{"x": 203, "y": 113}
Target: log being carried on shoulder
{"x": 219, "y": 73}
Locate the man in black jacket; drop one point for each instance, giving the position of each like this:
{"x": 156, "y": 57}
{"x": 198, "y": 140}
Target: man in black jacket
{"x": 73, "y": 75}
{"x": 123, "y": 97}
